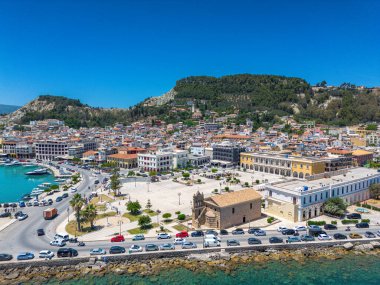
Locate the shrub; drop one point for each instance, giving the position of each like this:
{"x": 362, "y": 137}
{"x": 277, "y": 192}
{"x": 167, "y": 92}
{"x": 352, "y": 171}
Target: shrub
{"x": 334, "y": 222}
{"x": 181, "y": 217}
{"x": 246, "y": 184}
{"x": 166, "y": 215}
{"x": 227, "y": 188}
{"x": 270, "y": 220}
{"x": 345, "y": 222}
{"x": 316, "y": 223}
{"x": 257, "y": 181}
{"x": 178, "y": 212}
{"x": 366, "y": 221}
{"x": 214, "y": 170}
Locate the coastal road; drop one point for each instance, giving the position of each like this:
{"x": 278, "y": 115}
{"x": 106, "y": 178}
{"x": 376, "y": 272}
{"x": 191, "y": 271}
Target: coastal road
{"x": 35, "y": 244}
{"x": 22, "y": 235}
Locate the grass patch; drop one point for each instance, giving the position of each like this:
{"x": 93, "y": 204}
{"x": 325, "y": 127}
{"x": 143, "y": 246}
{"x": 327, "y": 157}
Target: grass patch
{"x": 180, "y": 227}
{"x": 71, "y": 227}
{"x": 97, "y": 200}
{"x": 132, "y": 218}
{"x": 101, "y": 208}
{"x": 138, "y": 230}
{"x": 150, "y": 212}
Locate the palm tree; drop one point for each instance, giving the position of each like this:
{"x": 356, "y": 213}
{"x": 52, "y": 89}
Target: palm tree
{"x": 89, "y": 213}
{"x": 115, "y": 184}
{"x": 77, "y": 203}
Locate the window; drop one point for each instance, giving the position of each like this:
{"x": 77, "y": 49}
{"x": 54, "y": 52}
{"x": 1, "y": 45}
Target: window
{"x": 250, "y": 206}
{"x": 315, "y": 198}
{"x": 304, "y": 200}
{"x": 233, "y": 210}
{"x": 327, "y": 195}
{"x": 309, "y": 199}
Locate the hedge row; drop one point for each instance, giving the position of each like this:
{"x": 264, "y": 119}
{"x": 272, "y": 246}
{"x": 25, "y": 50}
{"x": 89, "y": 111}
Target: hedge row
{"x": 345, "y": 222}
{"x": 316, "y": 223}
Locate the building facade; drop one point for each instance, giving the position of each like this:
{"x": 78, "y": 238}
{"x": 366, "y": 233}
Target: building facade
{"x": 50, "y": 150}
{"x": 227, "y": 152}
{"x": 159, "y": 161}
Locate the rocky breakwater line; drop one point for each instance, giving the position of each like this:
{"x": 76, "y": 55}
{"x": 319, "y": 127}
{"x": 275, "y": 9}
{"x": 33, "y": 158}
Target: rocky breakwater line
{"x": 200, "y": 262}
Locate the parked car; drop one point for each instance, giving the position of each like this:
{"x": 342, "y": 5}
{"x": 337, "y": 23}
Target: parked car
{"x": 330, "y": 227}
{"x": 138, "y": 237}
{"x": 314, "y": 227}
{"x": 281, "y": 228}
{"x": 324, "y": 237}
{"x": 58, "y": 242}
{"x": 354, "y": 216}
{"x": 116, "y": 249}
{"x": 5, "y": 215}
{"x": 164, "y": 236}
{"x": 288, "y": 232}
{"x": 179, "y": 240}
{"x": 293, "y": 239}
{"x": 5, "y": 257}
{"x": 135, "y": 248}
{"x": 188, "y": 245}
{"x": 67, "y": 252}
{"x": 362, "y": 225}
{"x": 151, "y": 247}
{"x": 300, "y": 228}
{"x": 58, "y": 199}
{"x": 260, "y": 233}
{"x": 62, "y": 236}
{"x": 275, "y": 240}
{"x": 378, "y": 233}
{"x": 213, "y": 237}
{"x": 253, "y": 240}
{"x": 97, "y": 251}
{"x": 253, "y": 230}
{"x": 40, "y": 232}
{"x": 73, "y": 190}
{"x": 355, "y": 235}
{"x": 369, "y": 235}
{"x": 47, "y": 254}
{"x": 211, "y": 242}
{"x": 339, "y": 236}
{"x": 223, "y": 232}
{"x": 211, "y": 232}
{"x": 197, "y": 234}
{"x": 65, "y": 195}
{"x": 182, "y": 234}
{"x": 81, "y": 243}
{"x": 118, "y": 238}
{"x": 25, "y": 256}
{"x": 307, "y": 238}
{"x": 167, "y": 246}
{"x": 233, "y": 242}
{"x": 238, "y": 231}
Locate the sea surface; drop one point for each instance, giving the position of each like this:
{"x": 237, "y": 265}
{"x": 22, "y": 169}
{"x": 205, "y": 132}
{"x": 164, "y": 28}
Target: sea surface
{"x": 351, "y": 269}
{"x": 14, "y": 183}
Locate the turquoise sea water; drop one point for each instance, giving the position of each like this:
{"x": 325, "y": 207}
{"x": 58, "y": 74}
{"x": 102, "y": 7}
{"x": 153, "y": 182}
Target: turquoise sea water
{"x": 14, "y": 183}
{"x": 349, "y": 270}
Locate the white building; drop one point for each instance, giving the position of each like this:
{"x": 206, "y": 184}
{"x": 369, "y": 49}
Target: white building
{"x": 300, "y": 200}
{"x": 158, "y": 161}
{"x": 49, "y": 150}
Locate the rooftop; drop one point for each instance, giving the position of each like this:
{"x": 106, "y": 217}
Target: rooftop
{"x": 237, "y": 197}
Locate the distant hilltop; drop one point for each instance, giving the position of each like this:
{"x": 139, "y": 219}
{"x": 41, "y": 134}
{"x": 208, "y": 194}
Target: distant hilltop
{"x": 6, "y": 109}
{"x": 262, "y": 99}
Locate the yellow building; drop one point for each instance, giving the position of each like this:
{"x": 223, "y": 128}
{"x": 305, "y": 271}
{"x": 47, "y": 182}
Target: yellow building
{"x": 304, "y": 167}
{"x": 358, "y": 141}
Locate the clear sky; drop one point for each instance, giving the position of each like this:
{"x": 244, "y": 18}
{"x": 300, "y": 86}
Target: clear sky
{"x": 118, "y": 52}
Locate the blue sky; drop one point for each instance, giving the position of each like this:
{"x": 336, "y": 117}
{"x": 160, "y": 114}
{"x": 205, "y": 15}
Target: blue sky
{"x": 115, "y": 53}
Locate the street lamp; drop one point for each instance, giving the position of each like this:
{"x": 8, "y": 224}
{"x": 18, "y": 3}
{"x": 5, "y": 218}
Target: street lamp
{"x": 179, "y": 198}
{"x": 148, "y": 185}
{"x": 68, "y": 215}
{"x": 158, "y": 213}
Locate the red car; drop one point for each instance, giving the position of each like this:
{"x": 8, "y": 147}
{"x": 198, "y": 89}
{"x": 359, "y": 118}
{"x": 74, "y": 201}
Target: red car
{"x": 182, "y": 234}
{"x": 118, "y": 238}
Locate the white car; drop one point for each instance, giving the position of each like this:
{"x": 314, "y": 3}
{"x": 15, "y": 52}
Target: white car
{"x": 97, "y": 251}
{"x": 164, "y": 236}
{"x": 300, "y": 228}
{"x": 179, "y": 240}
{"x": 280, "y": 229}
{"x": 324, "y": 237}
{"x": 73, "y": 190}
{"x": 47, "y": 254}
{"x": 22, "y": 217}
{"x": 135, "y": 248}
{"x": 58, "y": 242}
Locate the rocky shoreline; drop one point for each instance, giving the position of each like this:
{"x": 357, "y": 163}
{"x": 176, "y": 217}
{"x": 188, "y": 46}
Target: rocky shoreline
{"x": 201, "y": 262}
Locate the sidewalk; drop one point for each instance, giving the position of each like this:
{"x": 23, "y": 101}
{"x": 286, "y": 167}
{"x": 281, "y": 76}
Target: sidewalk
{"x": 4, "y": 223}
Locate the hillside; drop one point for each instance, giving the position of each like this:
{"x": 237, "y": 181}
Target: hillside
{"x": 6, "y": 109}
{"x": 260, "y": 98}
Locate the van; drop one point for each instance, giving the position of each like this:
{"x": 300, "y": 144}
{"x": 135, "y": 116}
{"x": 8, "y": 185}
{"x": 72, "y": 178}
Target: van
{"x": 211, "y": 236}
{"x": 211, "y": 243}
{"x": 62, "y": 237}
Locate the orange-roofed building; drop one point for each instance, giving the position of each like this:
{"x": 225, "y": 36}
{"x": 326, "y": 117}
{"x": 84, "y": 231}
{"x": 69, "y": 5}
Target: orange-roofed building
{"x": 123, "y": 160}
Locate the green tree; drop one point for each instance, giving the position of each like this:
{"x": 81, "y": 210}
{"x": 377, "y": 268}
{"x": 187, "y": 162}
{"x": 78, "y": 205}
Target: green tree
{"x": 335, "y": 206}
{"x": 89, "y": 214}
{"x": 115, "y": 183}
{"x": 145, "y": 221}
{"x": 131, "y": 173}
{"x": 374, "y": 191}
{"x": 186, "y": 175}
{"x": 181, "y": 217}
{"x": 77, "y": 203}
{"x": 166, "y": 216}
{"x": 134, "y": 207}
